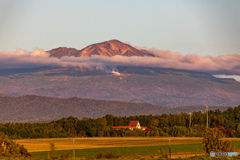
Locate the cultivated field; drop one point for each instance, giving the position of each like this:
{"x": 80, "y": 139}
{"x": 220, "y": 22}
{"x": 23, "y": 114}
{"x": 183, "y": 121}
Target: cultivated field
{"x": 125, "y": 146}
{"x": 35, "y": 145}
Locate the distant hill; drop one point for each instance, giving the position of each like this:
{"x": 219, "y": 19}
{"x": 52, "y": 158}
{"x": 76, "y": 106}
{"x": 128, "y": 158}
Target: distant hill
{"x": 42, "y": 109}
{"x": 107, "y": 48}
{"x": 163, "y": 87}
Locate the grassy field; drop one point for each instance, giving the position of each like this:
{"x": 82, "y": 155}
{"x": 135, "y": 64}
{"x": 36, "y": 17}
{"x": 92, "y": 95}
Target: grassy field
{"x": 129, "y": 146}
{"x": 139, "y": 151}
{"x": 35, "y": 145}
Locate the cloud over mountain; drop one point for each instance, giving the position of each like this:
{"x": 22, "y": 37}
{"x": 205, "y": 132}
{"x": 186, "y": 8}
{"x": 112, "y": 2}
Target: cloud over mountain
{"x": 227, "y": 64}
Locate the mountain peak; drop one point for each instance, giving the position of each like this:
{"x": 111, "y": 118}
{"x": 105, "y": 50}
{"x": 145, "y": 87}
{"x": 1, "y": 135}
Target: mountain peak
{"x": 114, "y": 41}
{"x": 107, "y": 48}
{"x": 62, "y": 51}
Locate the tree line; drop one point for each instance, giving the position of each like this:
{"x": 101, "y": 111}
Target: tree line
{"x": 177, "y": 125}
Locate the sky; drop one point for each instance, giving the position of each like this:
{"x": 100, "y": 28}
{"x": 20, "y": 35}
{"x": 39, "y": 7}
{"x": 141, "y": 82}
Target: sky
{"x": 204, "y": 27}
{"x": 201, "y": 35}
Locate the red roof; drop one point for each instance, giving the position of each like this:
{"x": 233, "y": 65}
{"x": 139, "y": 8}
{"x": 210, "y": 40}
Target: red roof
{"x": 142, "y": 128}
{"x": 146, "y": 129}
{"x": 117, "y": 127}
{"x": 133, "y": 123}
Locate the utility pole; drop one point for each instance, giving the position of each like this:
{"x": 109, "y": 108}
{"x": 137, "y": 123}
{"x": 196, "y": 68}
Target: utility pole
{"x": 189, "y": 119}
{"x": 170, "y": 148}
{"x": 73, "y": 149}
{"x": 207, "y": 116}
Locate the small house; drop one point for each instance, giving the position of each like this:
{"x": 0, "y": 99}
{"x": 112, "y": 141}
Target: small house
{"x": 132, "y": 125}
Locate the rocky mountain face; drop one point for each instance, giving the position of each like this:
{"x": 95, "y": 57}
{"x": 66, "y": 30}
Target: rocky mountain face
{"x": 107, "y": 48}
{"x": 62, "y": 51}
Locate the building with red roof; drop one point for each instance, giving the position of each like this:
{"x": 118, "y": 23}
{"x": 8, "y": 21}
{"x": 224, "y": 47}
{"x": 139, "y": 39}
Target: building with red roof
{"x": 132, "y": 125}
{"x": 135, "y": 124}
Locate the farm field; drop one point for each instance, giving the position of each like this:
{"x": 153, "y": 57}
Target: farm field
{"x": 177, "y": 150}
{"x": 124, "y": 146}
{"x": 36, "y": 145}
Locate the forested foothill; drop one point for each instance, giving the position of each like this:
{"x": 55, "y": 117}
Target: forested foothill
{"x": 32, "y": 108}
{"x": 176, "y": 125}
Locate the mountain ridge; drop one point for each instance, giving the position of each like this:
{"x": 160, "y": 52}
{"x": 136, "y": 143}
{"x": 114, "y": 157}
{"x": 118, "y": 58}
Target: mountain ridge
{"x": 164, "y": 87}
{"x": 32, "y": 108}
{"x": 107, "y": 48}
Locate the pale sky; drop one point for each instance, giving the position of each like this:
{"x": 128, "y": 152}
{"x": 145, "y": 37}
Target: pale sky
{"x": 203, "y": 27}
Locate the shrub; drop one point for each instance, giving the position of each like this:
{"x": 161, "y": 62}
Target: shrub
{"x": 82, "y": 134}
{"x": 8, "y": 148}
{"x": 109, "y": 155}
{"x": 162, "y": 153}
{"x": 64, "y": 156}
{"x": 52, "y": 154}
{"x": 99, "y": 155}
{"x": 212, "y": 141}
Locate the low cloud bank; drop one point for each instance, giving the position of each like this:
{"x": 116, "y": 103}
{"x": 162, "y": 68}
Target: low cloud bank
{"x": 227, "y": 64}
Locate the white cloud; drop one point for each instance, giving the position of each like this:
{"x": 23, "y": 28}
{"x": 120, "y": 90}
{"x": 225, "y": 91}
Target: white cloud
{"x": 228, "y": 64}
{"x": 236, "y": 77}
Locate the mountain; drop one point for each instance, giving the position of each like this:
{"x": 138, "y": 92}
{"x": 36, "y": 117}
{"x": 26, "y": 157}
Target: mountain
{"x": 107, "y": 48}
{"x": 30, "y": 108}
{"x": 62, "y": 51}
{"x": 158, "y": 86}
{"x": 163, "y": 87}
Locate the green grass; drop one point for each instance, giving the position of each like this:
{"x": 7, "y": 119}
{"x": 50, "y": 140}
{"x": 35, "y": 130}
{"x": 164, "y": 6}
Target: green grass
{"x": 135, "y": 151}
{"x": 129, "y": 151}
{"x": 236, "y": 145}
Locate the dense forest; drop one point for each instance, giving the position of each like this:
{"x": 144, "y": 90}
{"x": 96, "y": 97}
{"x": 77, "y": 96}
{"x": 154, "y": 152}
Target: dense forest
{"x": 227, "y": 121}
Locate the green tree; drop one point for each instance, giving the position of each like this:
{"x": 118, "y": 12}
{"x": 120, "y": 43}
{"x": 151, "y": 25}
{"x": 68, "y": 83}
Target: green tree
{"x": 154, "y": 124}
{"x": 72, "y": 131}
{"x": 212, "y": 141}
{"x": 238, "y": 130}
{"x": 120, "y": 121}
{"x": 102, "y": 122}
{"x": 156, "y": 133}
{"x": 93, "y": 131}
{"x": 109, "y": 119}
